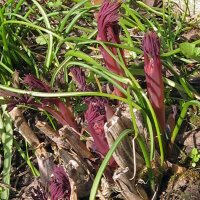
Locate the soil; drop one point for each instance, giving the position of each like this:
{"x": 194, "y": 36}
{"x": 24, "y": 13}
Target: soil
{"x": 185, "y": 186}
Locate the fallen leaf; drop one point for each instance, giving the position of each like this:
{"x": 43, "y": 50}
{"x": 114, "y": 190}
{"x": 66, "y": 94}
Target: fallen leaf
{"x": 192, "y": 34}
{"x": 155, "y": 3}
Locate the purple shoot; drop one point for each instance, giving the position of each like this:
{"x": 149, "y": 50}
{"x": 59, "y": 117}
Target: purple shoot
{"x": 60, "y": 185}
{"x": 55, "y": 106}
{"x": 108, "y": 31}
{"x": 12, "y": 99}
{"x": 35, "y": 83}
{"x": 96, "y": 117}
{"x": 153, "y": 73}
{"x": 96, "y": 121}
{"x": 59, "y": 110}
{"x": 79, "y": 78}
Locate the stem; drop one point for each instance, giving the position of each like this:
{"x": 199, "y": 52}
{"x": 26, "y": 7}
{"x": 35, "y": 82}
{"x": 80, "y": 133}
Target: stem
{"x": 147, "y": 162}
{"x": 66, "y": 94}
{"x": 181, "y": 118}
{"x": 49, "y": 56}
{"x": 178, "y": 50}
{"x": 76, "y": 7}
{"x": 32, "y": 26}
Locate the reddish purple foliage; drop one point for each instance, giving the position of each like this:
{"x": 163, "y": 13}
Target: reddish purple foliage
{"x": 35, "y": 83}
{"x": 108, "y": 31}
{"x": 5, "y": 94}
{"x": 96, "y": 118}
{"x": 60, "y": 112}
{"x": 96, "y": 123}
{"x": 98, "y": 102}
{"x": 60, "y": 186}
{"x": 54, "y": 106}
{"x": 153, "y": 72}
{"x": 12, "y": 99}
{"x": 79, "y": 77}
{"x": 58, "y": 109}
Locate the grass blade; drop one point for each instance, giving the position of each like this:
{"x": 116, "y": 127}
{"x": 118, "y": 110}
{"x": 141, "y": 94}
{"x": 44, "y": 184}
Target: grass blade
{"x": 7, "y": 140}
{"x": 105, "y": 162}
{"x": 50, "y": 39}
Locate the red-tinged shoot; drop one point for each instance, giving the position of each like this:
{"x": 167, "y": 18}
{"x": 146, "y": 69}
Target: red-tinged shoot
{"x": 108, "y": 31}
{"x": 34, "y": 83}
{"x": 56, "y": 107}
{"x": 79, "y": 78}
{"x": 96, "y": 114}
{"x": 153, "y": 73}
{"x": 95, "y": 117}
{"x": 60, "y": 185}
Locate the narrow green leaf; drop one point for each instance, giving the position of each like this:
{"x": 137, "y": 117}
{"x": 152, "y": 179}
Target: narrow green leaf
{"x": 7, "y": 140}
{"x": 105, "y": 162}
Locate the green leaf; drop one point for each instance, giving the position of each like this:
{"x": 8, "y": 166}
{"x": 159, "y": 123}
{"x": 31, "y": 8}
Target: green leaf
{"x": 196, "y": 159}
{"x": 80, "y": 108}
{"x": 194, "y": 151}
{"x": 7, "y": 141}
{"x": 42, "y": 39}
{"x": 56, "y": 4}
{"x": 105, "y": 162}
{"x": 188, "y": 49}
{"x": 197, "y": 52}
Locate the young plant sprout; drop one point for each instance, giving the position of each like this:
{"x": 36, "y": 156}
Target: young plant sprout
{"x": 57, "y": 108}
{"x": 60, "y": 186}
{"x": 108, "y": 31}
{"x": 96, "y": 118}
{"x": 153, "y": 73}
{"x": 79, "y": 78}
{"x": 95, "y": 115}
